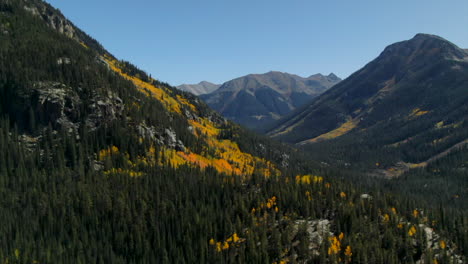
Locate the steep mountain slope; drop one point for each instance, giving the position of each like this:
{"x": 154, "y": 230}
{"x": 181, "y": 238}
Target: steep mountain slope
{"x": 203, "y": 87}
{"x": 99, "y": 163}
{"x": 258, "y": 99}
{"x": 403, "y": 108}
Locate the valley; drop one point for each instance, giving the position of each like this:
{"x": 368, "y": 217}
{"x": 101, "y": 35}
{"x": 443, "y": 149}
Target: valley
{"x": 100, "y": 162}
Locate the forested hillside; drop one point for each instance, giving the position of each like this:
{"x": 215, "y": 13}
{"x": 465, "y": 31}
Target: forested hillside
{"x": 404, "y": 114}
{"x": 101, "y": 163}
{"x": 408, "y": 105}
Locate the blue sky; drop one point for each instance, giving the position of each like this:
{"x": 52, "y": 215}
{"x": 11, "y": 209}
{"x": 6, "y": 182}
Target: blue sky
{"x": 187, "y": 41}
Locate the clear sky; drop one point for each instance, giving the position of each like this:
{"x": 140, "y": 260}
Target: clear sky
{"x": 187, "y": 41}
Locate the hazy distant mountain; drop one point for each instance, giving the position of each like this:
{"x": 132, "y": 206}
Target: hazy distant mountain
{"x": 407, "y": 106}
{"x": 203, "y": 87}
{"x": 258, "y": 99}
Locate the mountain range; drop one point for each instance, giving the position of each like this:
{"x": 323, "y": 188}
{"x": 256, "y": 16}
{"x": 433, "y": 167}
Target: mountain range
{"x": 203, "y": 87}
{"x": 258, "y": 99}
{"x": 101, "y": 163}
{"x": 399, "y": 111}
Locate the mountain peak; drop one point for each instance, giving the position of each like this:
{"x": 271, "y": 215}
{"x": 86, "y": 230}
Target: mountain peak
{"x": 207, "y": 83}
{"x": 202, "y": 87}
{"x": 426, "y": 45}
{"x": 317, "y": 75}
{"x": 274, "y": 73}
{"x": 332, "y": 76}
{"x": 426, "y": 36}
{"x": 411, "y": 74}
{"x": 257, "y": 99}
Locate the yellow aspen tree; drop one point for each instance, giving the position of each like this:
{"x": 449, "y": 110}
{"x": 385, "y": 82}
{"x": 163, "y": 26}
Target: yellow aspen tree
{"x": 348, "y": 253}
{"x": 341, "y": 236}
{"x": 225, "y": 246}
{"x": 442, "y": 244}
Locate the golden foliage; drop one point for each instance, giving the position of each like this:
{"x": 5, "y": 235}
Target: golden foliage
{"x": 442, "y": 244}
{"x": 308, "y": 179}
{"x": 104, "y": 153}
{"x": 343, "y": 129}
{"x": 335, "y": 246}
{"x": 147, "y": 88}
{"x": 348, "y": 252}
{"x": 418, "y": 112}
{"x": 386, "y": 218}
{"x": 228, "y": 158}
{"x": 84, "y": 45}
{"x": 225, "y": 245}
{"x": 342, "y": 194}
{"x": 130, "y": 173}
{"x": 218, "y": 246}
{"x": 283, "y": 261}
{"x": 184, "y": 101}
{"x": 412, "y": 231}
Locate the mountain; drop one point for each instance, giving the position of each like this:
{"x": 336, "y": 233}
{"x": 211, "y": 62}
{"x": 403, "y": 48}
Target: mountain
{"x": 258, "y": 99}
{"x": 100, "y": 163}
{"x": 203, "y": 87}
{"x": 399, "y": 111}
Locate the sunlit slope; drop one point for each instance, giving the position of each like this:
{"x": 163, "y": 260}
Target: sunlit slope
{"x": 226, "y": 155}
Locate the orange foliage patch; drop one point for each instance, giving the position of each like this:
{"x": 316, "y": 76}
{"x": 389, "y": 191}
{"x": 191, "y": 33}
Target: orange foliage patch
{"x": 228, "y": 157}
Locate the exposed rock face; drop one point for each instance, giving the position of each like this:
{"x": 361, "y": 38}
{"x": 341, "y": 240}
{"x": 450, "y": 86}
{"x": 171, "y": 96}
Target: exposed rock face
{"x": 4, "y": 29}
{"x": 433, "y": 242}
{"x": 97, "y": 165}
{"x": 148, "y": 132}
{"x": 29, "y": 143}
{"x": 366, "y": 196}
{"x": 57, "y": 104}
{"x": 172, "y": 141}
{"x": 285, "y": 160}
{"x": 57, "y": 22}
{"x": 104, "y": 109}
{"x": 318, "y": 230}
{"x": 63, "y": 60}
{"x": 190, "y": 115}
{"x": 167, "y": 138}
